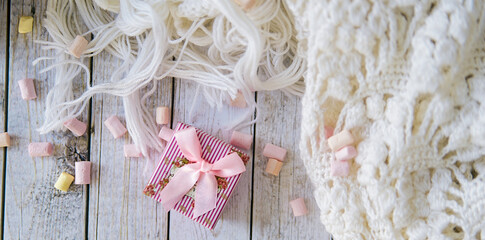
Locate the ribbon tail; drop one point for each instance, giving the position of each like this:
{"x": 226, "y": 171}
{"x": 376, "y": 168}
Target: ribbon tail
{"x": 205, "y": 194}
{"x": 183, "y": 180}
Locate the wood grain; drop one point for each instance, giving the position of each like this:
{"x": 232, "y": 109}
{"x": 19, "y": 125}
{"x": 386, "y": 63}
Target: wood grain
{"x": 117, "y": 207}
{"x": 235, "y": 220}
{"x": 279, "y": 124}
{"x": 4, "y": 23}
{"x": 33, "y": 207}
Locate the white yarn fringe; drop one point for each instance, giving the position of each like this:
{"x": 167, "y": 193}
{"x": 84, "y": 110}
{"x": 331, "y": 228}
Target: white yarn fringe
{"x": 213, "y": 43}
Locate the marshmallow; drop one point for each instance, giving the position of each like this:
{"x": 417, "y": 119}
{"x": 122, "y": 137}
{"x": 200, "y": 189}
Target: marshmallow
{"x": 25, "y": 24}
{"x": 241, "y": 140}
{"x": 77, "y": 127}
{"x": 340, "y": 140}
{"x": 4, "y": 140}
{"x": 78, "y": 46}
{"x": 328, "y": 131}
{"x": 299, "y": 207}
{"x": 239, "y": 101}
{"x": 163, "y": 115}
{"x": 245, "y": 4}
{"x": 273, "y": 166}
{"x": 27, "y": 89}
{"x": 64, "y": 181}
{"x": 131, "y": 150}
{"x": 339, "y": 168}
{"x": 115, "y": 126}
{"x": 166, "y": 133}
{"x": 41, "y": 149}
{"x": 83, "y": 172}
{"x": 346, "y": 153}
{"x": 272, "y": 151}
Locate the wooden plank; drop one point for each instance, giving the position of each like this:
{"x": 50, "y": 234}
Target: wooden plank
{"x": 235, "y": 220}
{"x": 4, "y": 23}
{"x": 279, "y": 124}
{"x": 117, "y": 206}
{"x": 33, "y": 207}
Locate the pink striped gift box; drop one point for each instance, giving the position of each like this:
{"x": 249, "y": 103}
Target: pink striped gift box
{"x": 172, "y": 159}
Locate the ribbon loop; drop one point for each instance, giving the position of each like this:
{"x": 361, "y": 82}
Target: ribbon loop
{"x": 189, "y": 144}
{"x": 198, "y": 172}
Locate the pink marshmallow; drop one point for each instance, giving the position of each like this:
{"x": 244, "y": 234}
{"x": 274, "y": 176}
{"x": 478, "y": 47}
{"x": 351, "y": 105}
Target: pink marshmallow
{"x": 272, "y": 151}
{"x": 77, "y": 127}
{"x": 163, "y": 115}
{"x": 78, "y": 46}
{"x": 4, "y": 140}
{"x": 299, "y": 207}
{"x": 131, "y": 150}
{"x": 245, "y": 4}
{"x": 340, "y": 140}
{"x": 340, "y": 168}
{"x": 346, "y": 153}
{"x": 328, "y": 132}
{"x": 241, "y": 140}
{"x": 165, "y": 133}
{"x": 115, "y": 126}
{"x": 41, "y": 149}
{"x": 83, "y": 172}
{"x": 27, "y": 89}
{"x": 239, "y": 101}
{"x": 273, "y": 167}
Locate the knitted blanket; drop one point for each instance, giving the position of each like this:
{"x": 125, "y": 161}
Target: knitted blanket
{"x": 407, "y": 79}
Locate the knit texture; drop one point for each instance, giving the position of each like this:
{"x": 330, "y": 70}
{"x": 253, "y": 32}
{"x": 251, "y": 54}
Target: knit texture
{"x": 407, "y": 79}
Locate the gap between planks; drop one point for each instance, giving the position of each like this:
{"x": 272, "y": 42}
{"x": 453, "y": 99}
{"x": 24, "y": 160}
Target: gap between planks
{"x": 86, "y": 190}
{"x": 4, "y": 31}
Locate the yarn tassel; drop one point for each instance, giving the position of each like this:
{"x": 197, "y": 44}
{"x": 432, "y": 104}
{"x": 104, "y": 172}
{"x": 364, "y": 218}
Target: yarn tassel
{"x": 223, "y": 49}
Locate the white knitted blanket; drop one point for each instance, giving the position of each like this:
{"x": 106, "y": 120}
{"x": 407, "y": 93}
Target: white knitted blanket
{"x": 407, "y": 78}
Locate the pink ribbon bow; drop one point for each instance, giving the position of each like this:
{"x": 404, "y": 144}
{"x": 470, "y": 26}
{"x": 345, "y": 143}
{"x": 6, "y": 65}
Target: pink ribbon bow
{"x": 199, "y": 171}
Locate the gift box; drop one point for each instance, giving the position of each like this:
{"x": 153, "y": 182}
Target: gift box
{"x": 198, "y": 183}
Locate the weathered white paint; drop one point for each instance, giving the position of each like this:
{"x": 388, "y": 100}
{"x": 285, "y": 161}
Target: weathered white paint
{"x": 279, "y": 124}
{"x": 117, "y": 209}
{"x": 34, "y": 209}
{"x": 117, "y": 206}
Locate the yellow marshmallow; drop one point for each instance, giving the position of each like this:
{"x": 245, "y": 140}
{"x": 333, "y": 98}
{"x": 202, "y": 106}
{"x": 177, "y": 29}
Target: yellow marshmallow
{"x": 340, "y": 140}
{"x": 25, "y": 24}
{"x": 64, "y": 181}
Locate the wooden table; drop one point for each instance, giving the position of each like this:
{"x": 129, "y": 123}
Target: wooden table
{"x": 113, "y": 205}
